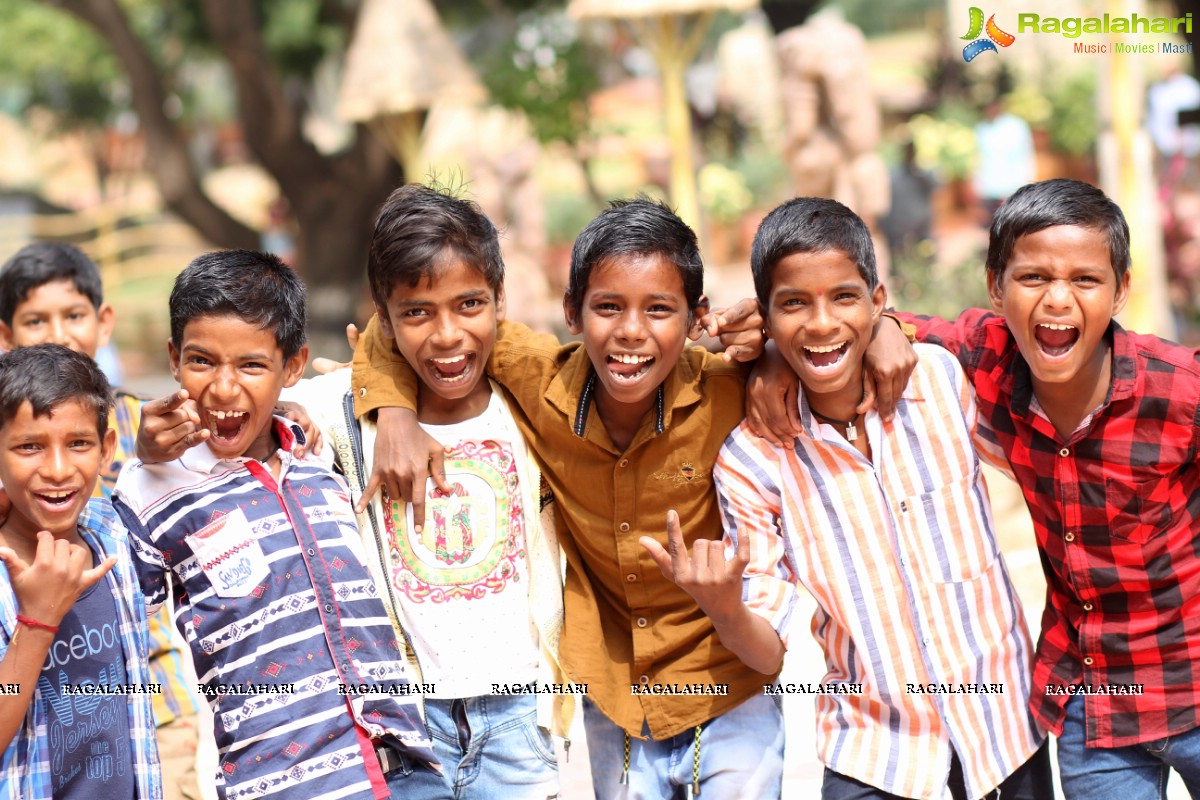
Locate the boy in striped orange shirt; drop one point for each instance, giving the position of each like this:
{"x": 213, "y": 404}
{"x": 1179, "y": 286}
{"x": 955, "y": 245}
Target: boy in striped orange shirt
{"x": 888, "y": 525}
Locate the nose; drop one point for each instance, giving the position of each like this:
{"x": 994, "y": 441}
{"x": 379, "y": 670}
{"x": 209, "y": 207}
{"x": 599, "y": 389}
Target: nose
{"x": 56, "y": 466}
{"x": 1058, "y": 294}
{"x": 446, "y": 333}
{"x": 632, "y": 327}
{"x": 821, "y": 319}
{"x": 224, "y": 384}
{"x": 58, "y": 332}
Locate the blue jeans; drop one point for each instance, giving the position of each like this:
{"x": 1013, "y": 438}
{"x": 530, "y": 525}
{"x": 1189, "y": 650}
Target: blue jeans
{"x": 741, "y": 755}
{"x": 489, "y": 747}
{"x": 1135, "y": 772}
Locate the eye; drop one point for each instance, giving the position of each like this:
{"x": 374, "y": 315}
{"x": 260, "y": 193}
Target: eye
{"x": 661, "y": 308}
{"x": 199, "y": 361}
{"x": 27, "y": 447}
{"x": 472, "y": 304}
{"x": 75, "y": 316}
{"x": 793, "y": 302}
{"x": 1088, "y": 280}
{"x": 32, "y": 323}
{"x": 606, "y": 308}
{"x": 1030, "y": 277}
{"x": 415, "y": 313}
{"x": 845, "y": 296}
{"x": 82, "y": 444}
{"x": 255, "y": 366}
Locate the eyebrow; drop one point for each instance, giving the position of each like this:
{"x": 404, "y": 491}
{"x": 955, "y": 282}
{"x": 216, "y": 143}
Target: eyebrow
{"x": 667, "y": 296}
{"x": 197, "y": 349}
{"x": 468, "y": 295}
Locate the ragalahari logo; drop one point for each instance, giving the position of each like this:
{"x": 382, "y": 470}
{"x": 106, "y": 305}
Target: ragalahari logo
{"x": 995, "y": 36}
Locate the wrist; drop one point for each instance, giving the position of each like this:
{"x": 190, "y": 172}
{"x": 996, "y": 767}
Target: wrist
{"x": 37, "y": 625}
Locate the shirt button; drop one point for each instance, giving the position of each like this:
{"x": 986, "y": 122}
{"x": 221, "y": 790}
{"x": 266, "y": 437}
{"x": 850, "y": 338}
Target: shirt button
{"x": 925, "y": 640}
{"x": 1087, "y": 606}
{"x": 362, "y": 392}
{"x": 1088, "y": 661}
{"x": 328, "y": 608}
{"x": 624, "y": 526}
{"x": 1064, "y": 452}
{"x": 1070, "y": 537}
{"x": 631, "y": 578}
{"x": 312, "y": 552}
{"x": 644, "y": 680}
{"x": 641, "y": 622}
{"x": 624, "y": 462}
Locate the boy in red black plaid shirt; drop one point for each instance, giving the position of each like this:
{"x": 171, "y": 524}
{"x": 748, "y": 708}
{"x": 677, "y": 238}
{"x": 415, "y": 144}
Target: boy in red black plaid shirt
{"x": 1101, "y": 428}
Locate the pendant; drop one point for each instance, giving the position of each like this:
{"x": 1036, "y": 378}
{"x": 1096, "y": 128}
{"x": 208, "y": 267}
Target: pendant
{"x": 851, "y": 432}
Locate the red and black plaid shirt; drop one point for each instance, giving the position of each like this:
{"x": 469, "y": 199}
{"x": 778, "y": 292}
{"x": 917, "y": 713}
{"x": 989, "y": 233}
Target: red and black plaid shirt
{"x": 1116, "y": 509}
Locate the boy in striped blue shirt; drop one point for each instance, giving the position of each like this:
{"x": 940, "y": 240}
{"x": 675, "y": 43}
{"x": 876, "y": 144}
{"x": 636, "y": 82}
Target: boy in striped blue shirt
{"x": 273, "y": 595}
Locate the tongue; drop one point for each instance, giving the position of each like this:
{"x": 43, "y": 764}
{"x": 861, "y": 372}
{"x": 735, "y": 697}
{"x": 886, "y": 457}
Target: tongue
{"x": 1056, "y": 340}
{"x": 621, "y": 368}
{"x": 228, "y": 428}
{"x": 825, "y": 359}
{"x": 450, "y": 370}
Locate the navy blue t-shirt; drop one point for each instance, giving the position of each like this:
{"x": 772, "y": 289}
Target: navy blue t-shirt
{"x": 88, "y": 731}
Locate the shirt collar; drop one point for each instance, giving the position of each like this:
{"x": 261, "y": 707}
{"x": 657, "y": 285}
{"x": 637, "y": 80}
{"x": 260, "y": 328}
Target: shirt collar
{"x": 202, "y": 459}
{"x": 573, "y": 391}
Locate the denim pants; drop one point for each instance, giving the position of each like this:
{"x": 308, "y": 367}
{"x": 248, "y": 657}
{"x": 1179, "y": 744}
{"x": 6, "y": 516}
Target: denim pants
{"x": 741, "y": 756}
{"x": 489, "y": 747}
{"x": 1135, "y": 772}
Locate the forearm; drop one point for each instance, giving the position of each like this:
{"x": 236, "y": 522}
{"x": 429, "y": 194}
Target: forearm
{"x": 22, "y": 665}
{"x": 751, "y": 638}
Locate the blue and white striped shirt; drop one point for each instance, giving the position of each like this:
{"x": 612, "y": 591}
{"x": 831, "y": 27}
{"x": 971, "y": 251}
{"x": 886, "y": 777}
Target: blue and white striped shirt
{"x": 25, "y": 763}
{"x": 282, "y": 617}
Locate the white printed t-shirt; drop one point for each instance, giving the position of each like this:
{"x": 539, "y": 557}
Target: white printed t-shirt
{"x": 463, "y": 581}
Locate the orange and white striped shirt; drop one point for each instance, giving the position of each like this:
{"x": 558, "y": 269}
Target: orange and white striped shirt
{"x": 924, "y": 637}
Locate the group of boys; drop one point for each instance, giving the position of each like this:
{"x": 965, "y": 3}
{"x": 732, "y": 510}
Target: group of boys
{"x": 604, "y": 521}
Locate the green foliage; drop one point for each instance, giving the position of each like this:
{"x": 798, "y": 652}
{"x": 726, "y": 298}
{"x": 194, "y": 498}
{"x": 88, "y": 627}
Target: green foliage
{"x": 49, "y": 59}
{"x": 918, "y": 283}
{"x": 566, "y": 215}
{"x": 544, "y": 69}
{"x": 1073, "y": 125}
{"x": 876, "y": 18}
{"x": 723, "y": 192}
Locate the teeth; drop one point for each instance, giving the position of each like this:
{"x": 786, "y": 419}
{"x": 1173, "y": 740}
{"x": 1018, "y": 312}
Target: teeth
{"x": 58, "y": 495}
{"x": 826, "y": 349}
{"x": 448, "y": 361}
{"x": 227, "y": 414}
{"x": 1056, "y": 327}
{"x": 629, "y": 358}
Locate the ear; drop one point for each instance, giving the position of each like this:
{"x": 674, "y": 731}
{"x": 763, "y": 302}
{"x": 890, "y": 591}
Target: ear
{"x": 762, "y": 312}
{"x": 108, "y": 447}
{"x": 995, "y": 292}
{"x": 500, "y": 307}
{"x": 173, "y": 359}
{"x": 293, "y": 368}
{"x": 878, "y": 302}
{"x": 105, "y": 319}
{"x": 1122, "y": 294}
{"x": 385, "y": 322}
{"x": 695, "y": 329}
{"x": 572, "y": 315}
{"x": 6, "y": 337}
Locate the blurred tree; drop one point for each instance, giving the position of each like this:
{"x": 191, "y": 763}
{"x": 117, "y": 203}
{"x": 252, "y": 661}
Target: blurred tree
{"x": 271, "y": 52}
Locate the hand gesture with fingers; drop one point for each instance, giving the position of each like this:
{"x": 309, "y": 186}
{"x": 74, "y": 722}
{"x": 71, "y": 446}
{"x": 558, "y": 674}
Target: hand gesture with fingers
{"x": 739, "y": 328}
{"x": 712, "y": 581}
{"x": 170, "y": 426}
{"x": 61, "y": 571}
{"x": 299, "y": 415}
{"x": 405, "y": 457}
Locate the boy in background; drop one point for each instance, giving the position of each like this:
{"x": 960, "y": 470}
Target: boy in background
{"x": 71, "y": 613}
{"x": 273, "y": 594}
{"x": 476, "y": 586}
{"x": 888, "y": 525}
{"x": 627, "y": 424}
{"x": 52, "y": 292}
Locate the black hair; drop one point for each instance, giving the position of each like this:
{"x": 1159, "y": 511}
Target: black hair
{"x": 48, "y": 375}
{"x": 810, "y": 225}
{"x": 255, "y": 287}
{"x": 1061, "y": 201}
{"x": 40, "y": 263}
{"x": 415, "y": 227}
{"x": 637, "y": 226}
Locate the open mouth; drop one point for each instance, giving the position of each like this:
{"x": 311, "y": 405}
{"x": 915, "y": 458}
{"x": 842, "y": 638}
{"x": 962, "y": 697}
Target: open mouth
{"x": 629, "y": 367}
{"x": 453, "y": 369}
{"x": 226, "y": 425}
{"x": 58, "y": 499}
{"x": 1055, "y": 340}
{"x": 826, "y": 357}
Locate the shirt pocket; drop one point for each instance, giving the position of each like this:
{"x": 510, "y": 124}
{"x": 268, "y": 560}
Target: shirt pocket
{"x": 1135, "y": 515}
{"x": 230, "y": 555}
{"x": 943, "y": 534}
